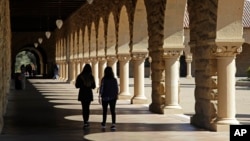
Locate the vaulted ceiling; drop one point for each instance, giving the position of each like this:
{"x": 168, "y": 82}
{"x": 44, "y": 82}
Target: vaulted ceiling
{"x": 40, "y": 15}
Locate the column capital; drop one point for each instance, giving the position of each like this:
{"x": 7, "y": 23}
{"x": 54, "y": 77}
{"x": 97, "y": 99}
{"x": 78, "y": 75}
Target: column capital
{"x": 227, "y": 48}
{"x": 111, "y": 58}
{"x": 77, "y": 60}
{"x": 124, "y": 57}
{"x": 102, "y": 58}
{"x": 93, "y": 59}
{"x": 86, "y": 60}
{"x": 189, "y": 57}
{"x": 139, "y": 55}
{"x": 172, "y": 53}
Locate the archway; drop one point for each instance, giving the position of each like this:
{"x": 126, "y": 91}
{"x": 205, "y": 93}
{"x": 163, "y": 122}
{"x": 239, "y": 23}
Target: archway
{"x": 34, "y": 60}
{"x": 29, "y": 60}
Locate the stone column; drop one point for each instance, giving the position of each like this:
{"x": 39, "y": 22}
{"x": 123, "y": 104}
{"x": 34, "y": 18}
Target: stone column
{"x": 61, "y": 70}
{"x": 124, "y": 76}
{"x": 138, "y": 62}
{"x": 94, "y": 63}
{"x": 101, "y": 66}
{"x": 71, "y": 71}
{"x": 74, "y": 66}
{"x": 172, "y": 67}
{"x": 66, "y": 71}
{"x": 82, "y": 64}
{"x": 78, "y": 68}
{"x": 189, "y": 60}
{"x": 111, "y": 61}
{"x": 65, "y": 76}
{"x": 226, "y": 54}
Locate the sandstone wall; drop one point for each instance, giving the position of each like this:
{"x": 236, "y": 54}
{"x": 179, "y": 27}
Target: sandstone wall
{"x": 5, "y": 35}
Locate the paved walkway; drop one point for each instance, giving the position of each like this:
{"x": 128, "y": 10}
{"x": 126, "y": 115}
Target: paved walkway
{"x": 47, "y": 110}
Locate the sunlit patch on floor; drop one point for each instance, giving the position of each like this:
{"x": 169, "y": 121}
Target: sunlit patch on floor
{"x": 72, "y": 107}
{"x": 58, "y": 94}
{"x": 63, "y": 101}
{"x": 74, "y": 118}
{"x": 61, "y": 97}
{"x": 161, "y": 136}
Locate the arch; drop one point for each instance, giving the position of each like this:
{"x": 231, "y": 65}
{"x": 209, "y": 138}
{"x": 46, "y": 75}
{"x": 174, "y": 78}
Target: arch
{"x": 93, "y": 40}
{"x": 173, "y": 24}
{"x": 123, "y": 34}
{"x": 71, "y": 45}
{"x": 80, "y": 53}
{"x": 101, "y": 39}
{"x": 140, "y": 31}
{"x": 229, "y": 20}
{"x": 76, "y": 45}
{"x": 140, "y": 22}
{"x": 40, "y": 56}
{"x": 86, "y": 42}
{"x": 111, "y": 38}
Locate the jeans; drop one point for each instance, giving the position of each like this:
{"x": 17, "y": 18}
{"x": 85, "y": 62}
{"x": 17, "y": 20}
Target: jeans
{"x": 85, "y": 111}
{"x": 112, "y": 104}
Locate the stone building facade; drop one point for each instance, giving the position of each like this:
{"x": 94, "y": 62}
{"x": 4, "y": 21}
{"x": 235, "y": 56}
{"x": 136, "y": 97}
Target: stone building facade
{"x": 108, "y": 32}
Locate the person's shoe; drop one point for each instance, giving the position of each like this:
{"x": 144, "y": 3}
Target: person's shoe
{"x": 86, "y": 125}
{"x": 103, "y": 125}
{"x": 113, "y": 127}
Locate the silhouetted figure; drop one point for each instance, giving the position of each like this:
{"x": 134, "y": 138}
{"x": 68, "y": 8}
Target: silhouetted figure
{"x": 86, "y": 82}
{"x": 23, "y": 78}
{"x": 108, "y": 95}
{"x": 56, "y": 72}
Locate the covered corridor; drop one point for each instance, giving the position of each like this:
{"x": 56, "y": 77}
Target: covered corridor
{"x": 214, "y": 38}
{"x": 48, "y": 110}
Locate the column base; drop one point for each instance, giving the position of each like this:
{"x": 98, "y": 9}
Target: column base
{"x": 124, "y": 96}
{"x": 227, "y": 121}
{"x": 65, "y": 80}
{"x": 156, "y": 108}
{"x": 71, "y": 81}
{"x": 189, "y": 77}
{"x": 139, "y": 100}
{"x": 224, "y": 124}
{"x": 173, "y": 109}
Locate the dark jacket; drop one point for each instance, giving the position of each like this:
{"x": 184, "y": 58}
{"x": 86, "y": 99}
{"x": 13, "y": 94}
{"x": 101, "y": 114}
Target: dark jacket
{"x": 85, "y": 92}
{"x": 109, "y": 89}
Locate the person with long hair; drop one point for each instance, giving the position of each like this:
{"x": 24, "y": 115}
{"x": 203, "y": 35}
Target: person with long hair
{"x": 108, "y": 96}
{"x": 86, "y": 82}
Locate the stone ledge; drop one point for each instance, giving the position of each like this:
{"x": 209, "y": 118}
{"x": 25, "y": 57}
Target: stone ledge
{"x": 244, "y": 82}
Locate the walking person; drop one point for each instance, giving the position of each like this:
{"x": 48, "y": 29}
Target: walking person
{"x": 56, "y": 71}
{"x": 23, "y": 77}
{"x": 86, "y": 82}
{"x": 108, "y": 96}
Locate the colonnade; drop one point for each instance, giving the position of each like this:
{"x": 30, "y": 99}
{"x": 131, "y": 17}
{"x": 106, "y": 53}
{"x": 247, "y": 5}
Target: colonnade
{"x": 130, "y": 31}
{"x": 98, "y": 66}
{"x": 133, "y": 32}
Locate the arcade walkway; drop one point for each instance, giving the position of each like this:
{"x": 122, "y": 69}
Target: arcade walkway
{"x": 47, "y": 110}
